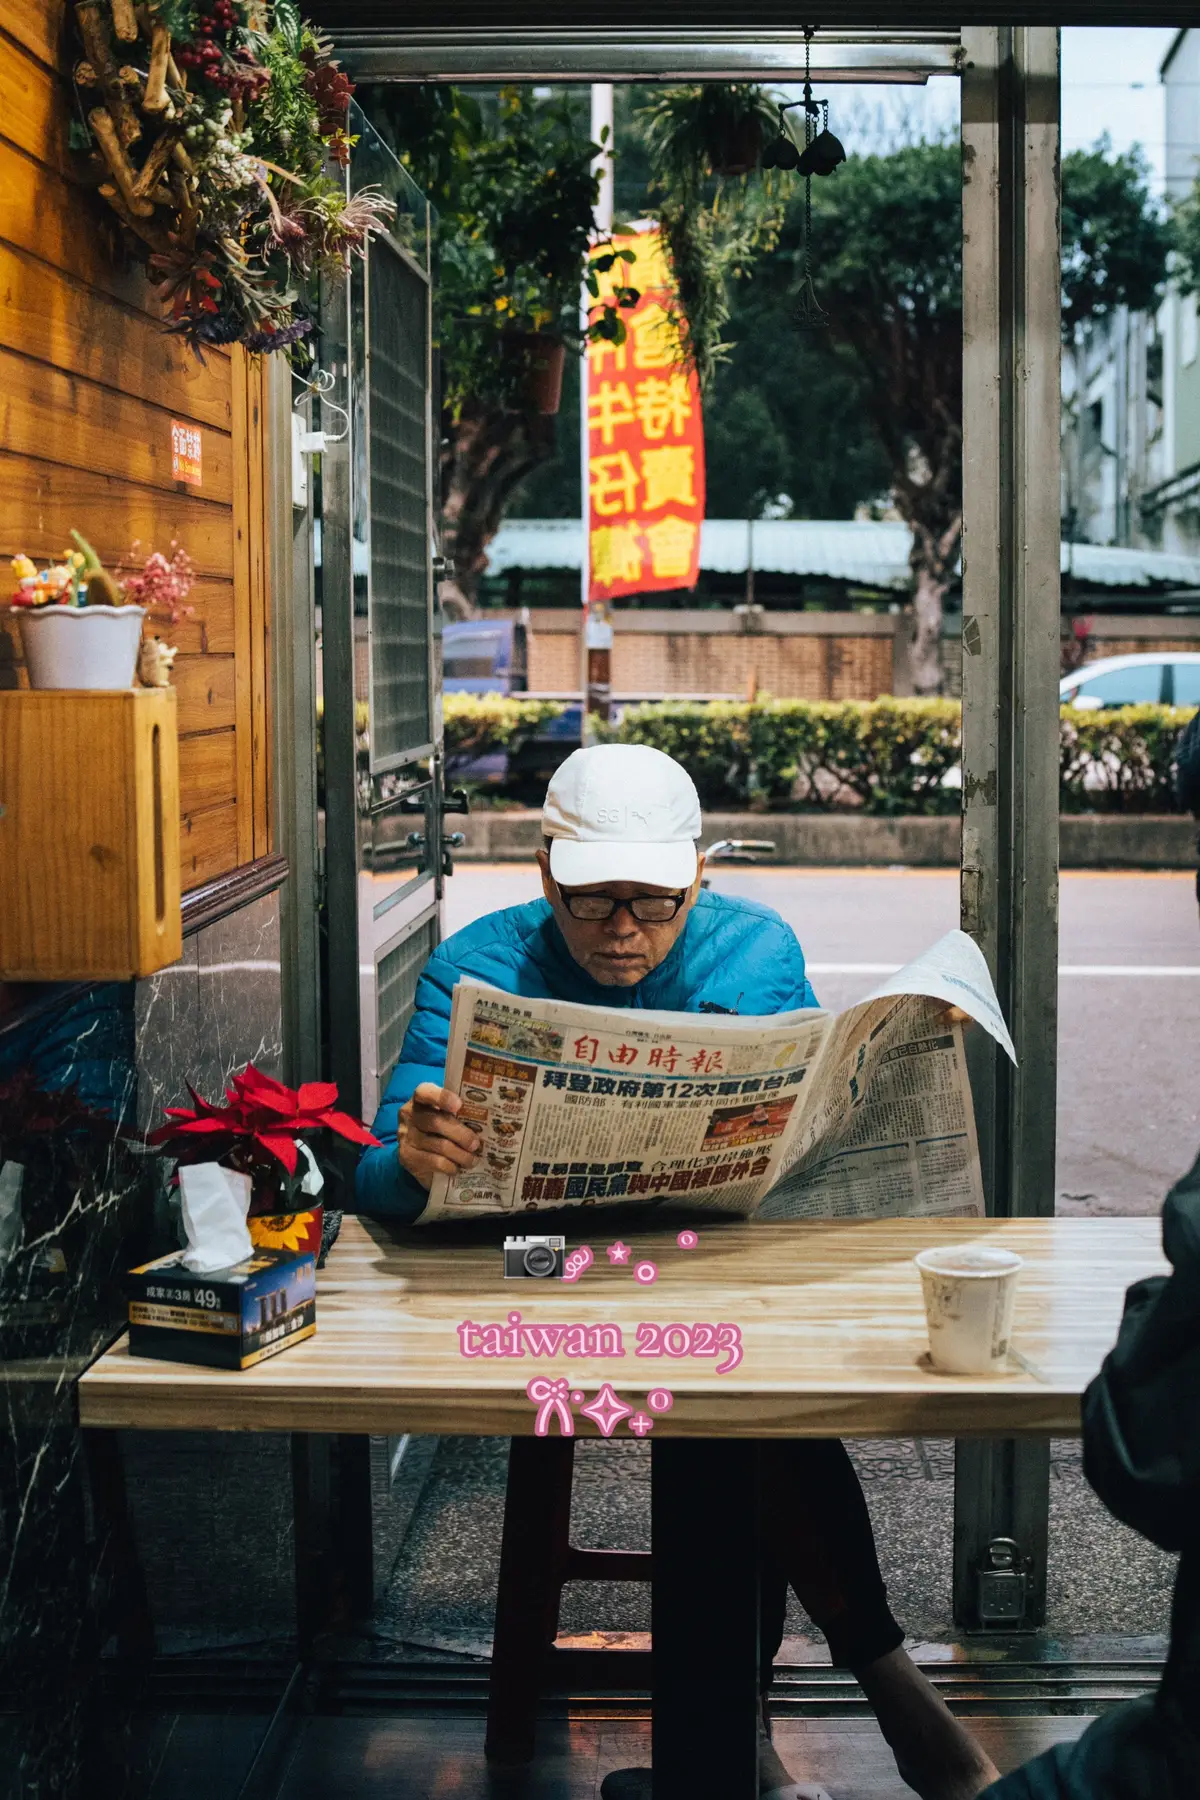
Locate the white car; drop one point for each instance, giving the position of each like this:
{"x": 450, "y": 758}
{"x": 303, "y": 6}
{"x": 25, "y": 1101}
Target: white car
{"x": 1171, "y": 677}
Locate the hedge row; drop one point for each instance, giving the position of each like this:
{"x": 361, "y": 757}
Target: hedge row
{"x": 884, "y": 756}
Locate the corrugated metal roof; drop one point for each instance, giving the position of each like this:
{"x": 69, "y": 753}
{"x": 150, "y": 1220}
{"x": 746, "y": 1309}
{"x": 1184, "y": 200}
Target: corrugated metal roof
{"x": 1108, "y": 565}
{"x": 869, "y": 553}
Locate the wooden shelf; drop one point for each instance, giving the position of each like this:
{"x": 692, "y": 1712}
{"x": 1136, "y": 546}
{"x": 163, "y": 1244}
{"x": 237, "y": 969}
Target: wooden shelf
{"x": 89, "y": 834}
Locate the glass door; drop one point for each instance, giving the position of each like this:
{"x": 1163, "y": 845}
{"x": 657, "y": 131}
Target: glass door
{"x": 380, "y": 637}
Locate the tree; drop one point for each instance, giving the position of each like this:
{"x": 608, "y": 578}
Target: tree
{"x": 785, "y": 415}
{"x": 511, "y": 176}
{"x": 887, "y": 260}
{"x": 887, "y": 264}
{"x": 1114, "y": 235}
{"x": 1116, "y": 242}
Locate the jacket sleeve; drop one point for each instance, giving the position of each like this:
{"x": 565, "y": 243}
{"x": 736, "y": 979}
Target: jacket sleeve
{"x": 385, "y": 1190}
{"x": 793, "y": 977}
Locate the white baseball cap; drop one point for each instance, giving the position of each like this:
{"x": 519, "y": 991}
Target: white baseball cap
{"x": 622, "y": 812}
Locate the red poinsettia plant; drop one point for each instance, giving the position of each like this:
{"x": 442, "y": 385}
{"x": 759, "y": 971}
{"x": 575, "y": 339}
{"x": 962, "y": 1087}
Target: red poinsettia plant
{"x": 256, "y": 1128}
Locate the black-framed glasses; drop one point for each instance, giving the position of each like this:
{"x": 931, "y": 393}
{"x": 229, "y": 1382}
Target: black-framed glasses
{"x": 647, "y": 909}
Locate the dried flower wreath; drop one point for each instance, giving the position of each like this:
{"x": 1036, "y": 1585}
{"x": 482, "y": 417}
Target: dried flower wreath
{"x": 211, "y": 125}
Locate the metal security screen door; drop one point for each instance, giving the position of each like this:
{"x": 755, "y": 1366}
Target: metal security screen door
{"x": 381, "y": 693}
{"x": 396, "y": 304}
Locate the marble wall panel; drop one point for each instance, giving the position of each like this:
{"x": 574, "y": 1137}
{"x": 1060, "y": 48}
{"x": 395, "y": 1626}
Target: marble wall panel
{"x": 83, "y": 1071}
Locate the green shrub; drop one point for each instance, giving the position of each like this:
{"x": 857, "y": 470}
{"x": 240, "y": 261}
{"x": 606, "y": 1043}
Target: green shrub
{"x": 886, "y": 756}
{"x": 481, "y": 724}
{"x": 712, "y": 741}
{"x": 1119, "y": 761}
{"x": 892, "y": 756}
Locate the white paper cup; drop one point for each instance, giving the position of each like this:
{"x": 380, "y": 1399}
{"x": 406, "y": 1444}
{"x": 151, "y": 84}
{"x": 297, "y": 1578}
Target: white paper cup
{"x": 970, "y": 1291}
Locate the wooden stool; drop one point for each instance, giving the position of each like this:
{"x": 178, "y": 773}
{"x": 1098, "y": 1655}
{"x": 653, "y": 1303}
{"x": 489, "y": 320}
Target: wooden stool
{"x": 537, "y": 1559}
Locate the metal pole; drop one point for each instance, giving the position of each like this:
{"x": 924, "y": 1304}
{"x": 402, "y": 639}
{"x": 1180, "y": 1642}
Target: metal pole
{"x": 1011, "y": 431}
{"x": 595, "y": 632}
{"x": 295, "y": 716}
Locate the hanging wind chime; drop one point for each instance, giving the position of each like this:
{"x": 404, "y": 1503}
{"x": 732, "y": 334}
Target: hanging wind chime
{"x": 821, "y": 155}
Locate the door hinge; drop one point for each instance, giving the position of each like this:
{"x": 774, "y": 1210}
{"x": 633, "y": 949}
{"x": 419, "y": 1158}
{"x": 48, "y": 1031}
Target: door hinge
{"x": 1002, "y": 1584}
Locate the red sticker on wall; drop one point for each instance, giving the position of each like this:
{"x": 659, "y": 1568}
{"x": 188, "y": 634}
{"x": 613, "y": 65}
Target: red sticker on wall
{"x": 186, "y": 454}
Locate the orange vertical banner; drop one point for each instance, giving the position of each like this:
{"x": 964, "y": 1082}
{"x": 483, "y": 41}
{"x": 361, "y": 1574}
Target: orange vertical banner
{"x": 645, "y": 442}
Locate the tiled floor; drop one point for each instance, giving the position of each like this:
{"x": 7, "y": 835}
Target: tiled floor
{"x": 441, "y": 1758}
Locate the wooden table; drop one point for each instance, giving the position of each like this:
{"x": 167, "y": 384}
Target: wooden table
{"x": 834, "y": 1345}
{"x": 830, "y": 1314}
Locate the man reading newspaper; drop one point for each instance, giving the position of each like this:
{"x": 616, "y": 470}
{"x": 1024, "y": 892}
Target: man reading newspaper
{"x": 624, "y": 921}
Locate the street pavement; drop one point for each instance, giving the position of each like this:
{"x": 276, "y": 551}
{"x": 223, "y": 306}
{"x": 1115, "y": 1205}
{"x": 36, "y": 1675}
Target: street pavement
{"x": 1128, "y": 994}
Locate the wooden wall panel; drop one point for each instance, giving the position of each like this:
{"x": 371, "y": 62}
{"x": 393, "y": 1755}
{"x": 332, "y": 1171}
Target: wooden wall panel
{"x": 39, "y": 27}
{"x": 208, "y": 845}
{"x": 73, "y": 328}
{"x": 53, "y": 417}
{"x": 89, "y": 384}
{"x": 41, "y": 501}
{"x": 207, "y": 771}
{"x": 57, "y": 222}
{"x": 35, "y": 113}
{"x": 207, "y": 628}
{"x": 205, "y": 685}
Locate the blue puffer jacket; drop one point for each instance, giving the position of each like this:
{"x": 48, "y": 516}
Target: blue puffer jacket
{"x": 731, "y": 955}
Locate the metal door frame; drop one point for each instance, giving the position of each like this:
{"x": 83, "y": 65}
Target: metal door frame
{"x": 361, "y": 797}
{"x": 1011, "y": 299}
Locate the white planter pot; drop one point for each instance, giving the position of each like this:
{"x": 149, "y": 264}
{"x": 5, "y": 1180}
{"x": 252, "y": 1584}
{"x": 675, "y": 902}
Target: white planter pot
{"x": 80, "y": 646}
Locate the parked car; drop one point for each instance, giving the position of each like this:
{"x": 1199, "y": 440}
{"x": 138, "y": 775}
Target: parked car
{"x": 491, "y": 656}
{"x": 1169, "y": 677}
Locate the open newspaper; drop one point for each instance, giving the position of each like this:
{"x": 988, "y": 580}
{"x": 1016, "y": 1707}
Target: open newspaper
{"x": 864, "y": 1113}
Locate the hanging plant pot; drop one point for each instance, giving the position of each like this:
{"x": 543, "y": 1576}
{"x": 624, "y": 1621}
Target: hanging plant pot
{"x": 739, "y": 149}
{"x": 90, "y": 647}
{"x": 535, "y": 361}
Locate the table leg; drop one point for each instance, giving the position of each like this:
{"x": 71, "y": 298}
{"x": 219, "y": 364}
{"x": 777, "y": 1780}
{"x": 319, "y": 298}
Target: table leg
{"x": 331, "y": 1491}
{"x": 121, "y": 1579}
{"x": 704, "y": 1618}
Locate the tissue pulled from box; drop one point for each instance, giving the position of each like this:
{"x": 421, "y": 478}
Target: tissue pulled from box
{"x": 215, "y": 1202}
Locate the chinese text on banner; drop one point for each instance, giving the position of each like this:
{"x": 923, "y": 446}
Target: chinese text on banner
{"x": 645, "y": 443}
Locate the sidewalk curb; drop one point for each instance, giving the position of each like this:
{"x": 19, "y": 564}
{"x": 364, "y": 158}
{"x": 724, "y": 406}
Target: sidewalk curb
{"x": 824, "y": 840}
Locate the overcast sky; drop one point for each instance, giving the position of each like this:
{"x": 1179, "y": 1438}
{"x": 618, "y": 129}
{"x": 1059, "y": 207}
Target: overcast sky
{"x": 1110, "y": 82}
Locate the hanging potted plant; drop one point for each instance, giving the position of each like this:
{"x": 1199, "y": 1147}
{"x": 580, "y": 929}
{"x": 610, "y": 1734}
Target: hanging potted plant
{"x": 516, "y": 254}
{"x": 210, "y": 126}
{"x": 708, "y": 128}
{"x": 262, "y": 1131}
{"x": 534, "y": 362}
{"x": 78, "y": 630}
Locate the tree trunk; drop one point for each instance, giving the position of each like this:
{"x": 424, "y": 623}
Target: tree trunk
{"x": 933, "y": 559}
{"x": 487, "y": 454}
{"x": 925, "y": 647}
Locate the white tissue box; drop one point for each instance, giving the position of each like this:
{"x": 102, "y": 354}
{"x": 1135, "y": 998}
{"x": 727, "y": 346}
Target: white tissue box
{"x": 230, "y": 1319}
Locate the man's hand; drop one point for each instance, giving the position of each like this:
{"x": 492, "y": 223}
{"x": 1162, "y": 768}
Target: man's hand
{"x": 954, "y": 1015}
{"x": 432, "y": 1139}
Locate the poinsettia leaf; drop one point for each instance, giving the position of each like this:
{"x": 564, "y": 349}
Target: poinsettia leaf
{"x": 315, "y": 1096}
{"x": 347, "y": 1127}
{"x": 284, "y": 1148}
{"x": 265, "y": 1087}
{"x": 202, "y": 1105}
{"x": 266, "y": 1102}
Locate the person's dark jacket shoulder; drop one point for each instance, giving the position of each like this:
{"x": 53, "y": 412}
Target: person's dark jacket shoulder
{"x": 1141, "y": 1454}
{"x": 1187, "y": 766}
